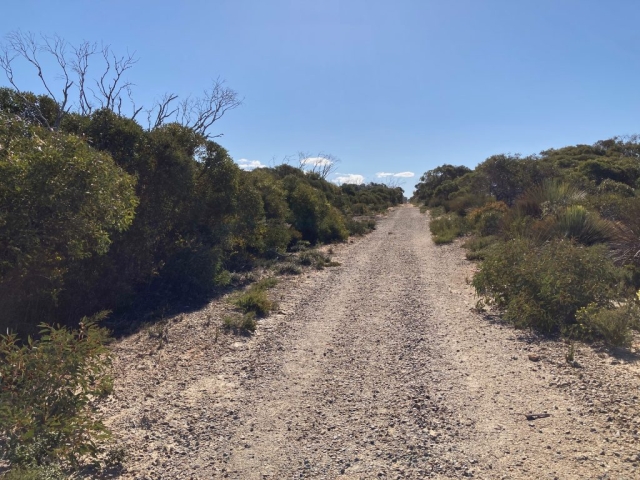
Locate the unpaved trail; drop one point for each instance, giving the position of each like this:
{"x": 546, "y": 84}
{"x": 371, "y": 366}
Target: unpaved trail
{"x": 376, "y": 369}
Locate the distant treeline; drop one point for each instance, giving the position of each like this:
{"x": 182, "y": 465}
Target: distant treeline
{"x": 99, "y": 212}
{"x": 558, "y": 234}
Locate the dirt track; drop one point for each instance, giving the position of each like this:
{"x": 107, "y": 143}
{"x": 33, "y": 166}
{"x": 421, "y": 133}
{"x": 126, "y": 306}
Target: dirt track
{"x": 376, "y": 369}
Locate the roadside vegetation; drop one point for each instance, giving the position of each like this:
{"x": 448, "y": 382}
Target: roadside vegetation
{"x": 102, "y": 211}
{"x": 557, "y": 235}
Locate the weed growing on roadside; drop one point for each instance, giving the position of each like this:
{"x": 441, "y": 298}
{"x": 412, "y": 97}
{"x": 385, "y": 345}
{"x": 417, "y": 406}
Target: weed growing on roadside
{"x": 240, "y": 323}
{"x": 289, "y": 269}
{"x": 255, "y": 299}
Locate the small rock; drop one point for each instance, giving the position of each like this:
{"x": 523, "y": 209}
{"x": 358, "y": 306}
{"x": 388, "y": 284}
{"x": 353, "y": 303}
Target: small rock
{"x": 534, "y": 357}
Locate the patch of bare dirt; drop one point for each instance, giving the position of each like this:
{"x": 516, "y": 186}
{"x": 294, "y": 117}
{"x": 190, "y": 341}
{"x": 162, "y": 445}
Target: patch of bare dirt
{"x": 379, "y": 368}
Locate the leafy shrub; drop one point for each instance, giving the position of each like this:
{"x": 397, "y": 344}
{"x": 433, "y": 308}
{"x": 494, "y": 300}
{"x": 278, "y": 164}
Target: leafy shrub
{"x": 486, "y": 220}
{"x": 544, "y": 286}
{"x": 300, "y": 246}
{"x": 617, "y": 188}
{"x": 477, "y": 247}
{"x": 60, "y": 202}
{"x": 447, "y": 228}
{"x": 610, "y": 323}
{"x": 48, "y": 393}
{"x": 360, "y": 227}
{"x": 332, "y": 227}
{"x": 462, "y": 202}
{"x": 240, "y": 323}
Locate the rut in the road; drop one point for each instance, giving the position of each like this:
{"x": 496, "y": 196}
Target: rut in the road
{"x": 375, "y": 369}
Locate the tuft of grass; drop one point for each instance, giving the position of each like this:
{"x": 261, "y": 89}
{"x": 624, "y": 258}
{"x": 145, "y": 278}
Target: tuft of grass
{"x": 265, "y": 284}
{"x": 445, "y": 237}
{"x": 289, "y": 269}
{"x": 255, "y": 299}
{"x": 240, "y": 323}
{"x": 312, "y": 257}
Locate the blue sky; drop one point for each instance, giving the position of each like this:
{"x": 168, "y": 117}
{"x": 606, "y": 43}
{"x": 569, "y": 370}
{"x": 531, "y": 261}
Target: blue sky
{"x": 391, "y": 87}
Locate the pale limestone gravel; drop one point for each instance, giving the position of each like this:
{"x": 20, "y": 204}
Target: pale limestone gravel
{"x": 379, "y": 368}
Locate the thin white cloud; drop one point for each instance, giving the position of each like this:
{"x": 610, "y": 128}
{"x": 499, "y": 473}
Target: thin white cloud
{"x": 245, "y": 164}
{"x": 349, "y": 178}
{"x": 316, "y": 161}
{"x": 398, "y": 175}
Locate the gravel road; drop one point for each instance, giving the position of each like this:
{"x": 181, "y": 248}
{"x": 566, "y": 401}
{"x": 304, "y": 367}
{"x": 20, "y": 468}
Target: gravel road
{"x": 379, "y": 368}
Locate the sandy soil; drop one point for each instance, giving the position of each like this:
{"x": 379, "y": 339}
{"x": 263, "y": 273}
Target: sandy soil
{"x": 379, "y": 368}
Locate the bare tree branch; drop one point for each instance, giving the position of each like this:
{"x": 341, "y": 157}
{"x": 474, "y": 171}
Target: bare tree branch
{"x": 73, "y": 67}
{"x": 80, "y": 65}
{"x": 201, "y": 113}
{"x": 323, "y": 164}
{"x": 111, "y": 87}
{"x": 162, "y": 110}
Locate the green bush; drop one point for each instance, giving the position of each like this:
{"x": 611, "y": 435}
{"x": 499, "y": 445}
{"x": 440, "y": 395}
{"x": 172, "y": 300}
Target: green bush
{"x": 332, "y": 227}
{"x": 360, "y": 227}
{"x": 48, "y": 393}
{"x": 477, "y": 247}
{"x": 544, "y": 286}
{"x": 61, "y": 202}
{"x": 254, "y": 300}
{"x": 240, "y": 323}
{"x": 447, "y": 228}
{"x": 487, "y": 220}
{"x": 613, "y": 324}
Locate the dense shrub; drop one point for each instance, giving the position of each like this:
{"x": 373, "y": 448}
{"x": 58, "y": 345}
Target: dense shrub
{"x": 447, "y": 228}
{"x": 113, "y": 216}
{"x": 486, "y": 220}
{"x": 612, "y": 323}
{"x": 48, "y": 393}
{"x": 60, "y": 202}
{"x": 544, "y": 286}
{"x": 360, "y": 227}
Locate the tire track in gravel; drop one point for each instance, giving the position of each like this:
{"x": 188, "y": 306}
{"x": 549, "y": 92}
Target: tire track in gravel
{"x": 375, "y": 369}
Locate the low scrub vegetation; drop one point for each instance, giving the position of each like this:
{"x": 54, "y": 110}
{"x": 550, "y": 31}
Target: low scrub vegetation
{"x": 99, "y": 212}
{"x": 255, "y": 300}
{"x": 241, "y": 323}
{"x": 49, "y": 389}
{"x": 557, "y": 235}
